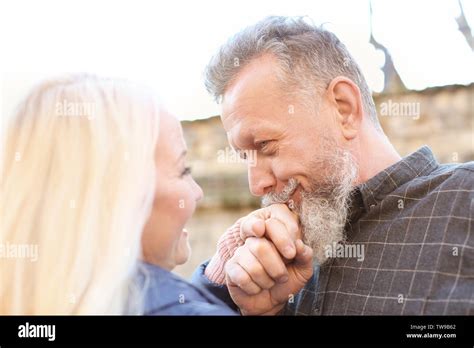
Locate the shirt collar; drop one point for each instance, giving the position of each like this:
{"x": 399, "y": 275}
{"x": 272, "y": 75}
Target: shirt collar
{"x": 366, "y": 195}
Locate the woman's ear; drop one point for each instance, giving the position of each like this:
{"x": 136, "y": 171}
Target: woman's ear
{"x": 345, "y": 97}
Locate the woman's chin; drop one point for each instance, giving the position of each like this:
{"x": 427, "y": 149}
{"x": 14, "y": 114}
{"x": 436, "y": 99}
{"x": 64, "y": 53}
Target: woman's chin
{"x": 184, "y": 252}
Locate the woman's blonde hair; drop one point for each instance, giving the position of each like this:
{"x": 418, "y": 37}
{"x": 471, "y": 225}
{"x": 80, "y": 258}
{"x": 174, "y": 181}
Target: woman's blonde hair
{"x": 77, "y": 185}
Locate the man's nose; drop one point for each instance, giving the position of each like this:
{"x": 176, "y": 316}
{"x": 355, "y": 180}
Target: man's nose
{"x": 260, "y": 179}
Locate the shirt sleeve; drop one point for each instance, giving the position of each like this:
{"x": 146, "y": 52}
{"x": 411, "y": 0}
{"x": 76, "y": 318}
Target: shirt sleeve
{"x": 200, "y": 280}
{"x": 193, "y": 308}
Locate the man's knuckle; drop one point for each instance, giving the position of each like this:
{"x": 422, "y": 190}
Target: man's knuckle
{"x": 280, "y": 271}
{"x": 254, "y": 269}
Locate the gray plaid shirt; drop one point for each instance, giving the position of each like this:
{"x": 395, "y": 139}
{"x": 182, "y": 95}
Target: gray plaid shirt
{"x": 414, "y": 221}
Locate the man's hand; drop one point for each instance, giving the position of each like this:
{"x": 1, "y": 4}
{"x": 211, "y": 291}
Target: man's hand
{"x": 263, "y": 260}
{"x": 272, "y": 264}
{"x": 258, "y": 280}
{"x": 276, "y": 223}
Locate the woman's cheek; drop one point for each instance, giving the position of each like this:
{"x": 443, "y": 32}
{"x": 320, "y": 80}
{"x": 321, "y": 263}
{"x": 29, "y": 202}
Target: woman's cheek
{"x": 187, "y": 204}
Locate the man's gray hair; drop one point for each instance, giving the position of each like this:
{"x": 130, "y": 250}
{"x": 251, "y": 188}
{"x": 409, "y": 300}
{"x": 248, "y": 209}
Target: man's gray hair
{"x": 309, "y": 58}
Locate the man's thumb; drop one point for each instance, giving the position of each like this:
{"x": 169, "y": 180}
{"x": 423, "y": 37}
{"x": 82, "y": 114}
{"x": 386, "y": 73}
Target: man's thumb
{"x": 303, "y": 260}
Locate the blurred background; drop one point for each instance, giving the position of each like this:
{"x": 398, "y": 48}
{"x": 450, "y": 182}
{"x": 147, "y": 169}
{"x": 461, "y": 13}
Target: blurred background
{"x": 417, "y": 56}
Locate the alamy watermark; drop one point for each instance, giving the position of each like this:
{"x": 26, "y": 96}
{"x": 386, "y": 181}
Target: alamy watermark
{"x": 404, "y": 109}
{"x": 229, "y": 155}
{"x": 28, "y": 330}
{"x": 19, "y": 251}
{"x": 338, "y": 250}
{"x": 75, "y": 109}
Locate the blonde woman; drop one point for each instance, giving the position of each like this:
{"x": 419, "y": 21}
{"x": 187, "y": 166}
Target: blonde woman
{"x": 94, "y": 180}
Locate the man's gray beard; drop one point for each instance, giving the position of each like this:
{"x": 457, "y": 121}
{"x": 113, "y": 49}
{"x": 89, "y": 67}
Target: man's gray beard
{"x": 324, "y": 209}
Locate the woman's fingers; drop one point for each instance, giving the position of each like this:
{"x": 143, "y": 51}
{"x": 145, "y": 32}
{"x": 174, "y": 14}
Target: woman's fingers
{"x": 252, "y": 226}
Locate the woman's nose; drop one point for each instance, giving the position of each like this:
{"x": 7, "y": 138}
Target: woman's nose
{"x": 198, "y": 191}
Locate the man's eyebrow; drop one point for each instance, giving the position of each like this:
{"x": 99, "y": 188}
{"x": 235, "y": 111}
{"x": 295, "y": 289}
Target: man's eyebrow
{"x": 253, "y": 133}
{"x": 248, "y": 135}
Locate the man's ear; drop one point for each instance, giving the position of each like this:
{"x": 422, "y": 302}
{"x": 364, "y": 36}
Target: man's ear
{"x": 345, "y": 96}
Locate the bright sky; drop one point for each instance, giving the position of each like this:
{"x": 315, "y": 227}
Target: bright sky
{"x": 168, "y": 43}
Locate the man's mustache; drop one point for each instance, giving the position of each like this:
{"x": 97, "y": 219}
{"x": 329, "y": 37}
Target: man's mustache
{"x": 281, "y": 197}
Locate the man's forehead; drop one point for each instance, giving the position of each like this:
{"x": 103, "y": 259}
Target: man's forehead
{"x": 252, "y": 110}
{"x": 234, "y": 120}
{"x": 228, "y": 122}
{"x": 237, "y": 128}
{"x": 251, "y": 94}
{"x": 238, "y": 106}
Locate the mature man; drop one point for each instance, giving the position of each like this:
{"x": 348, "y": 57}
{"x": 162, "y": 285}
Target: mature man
{"x": 292, "y": 93}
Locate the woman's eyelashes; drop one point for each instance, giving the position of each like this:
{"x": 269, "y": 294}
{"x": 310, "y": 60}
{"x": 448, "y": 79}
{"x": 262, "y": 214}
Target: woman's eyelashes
{"x": 186, "y": 171}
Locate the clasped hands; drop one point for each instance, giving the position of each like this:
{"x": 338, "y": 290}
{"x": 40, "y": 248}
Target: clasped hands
{"x": 272, "y": 264}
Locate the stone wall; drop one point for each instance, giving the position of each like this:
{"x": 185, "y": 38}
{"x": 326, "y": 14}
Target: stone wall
{"x": 445, "y": 121}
